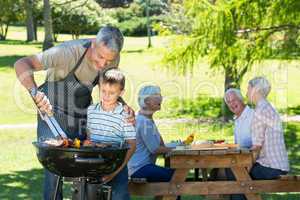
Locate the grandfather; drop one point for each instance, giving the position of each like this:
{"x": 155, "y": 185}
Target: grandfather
{"x": 73, "y": 70}
{"x": 242, "y": 119}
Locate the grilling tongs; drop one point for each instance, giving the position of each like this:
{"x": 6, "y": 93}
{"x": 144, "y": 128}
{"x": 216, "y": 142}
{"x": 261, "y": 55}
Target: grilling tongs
{"x": 49, "y": 119}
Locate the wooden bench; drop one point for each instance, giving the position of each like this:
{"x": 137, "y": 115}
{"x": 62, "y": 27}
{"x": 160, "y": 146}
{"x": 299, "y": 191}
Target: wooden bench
{"x": 287, "y": 183}
{"x": 238, "y": 160}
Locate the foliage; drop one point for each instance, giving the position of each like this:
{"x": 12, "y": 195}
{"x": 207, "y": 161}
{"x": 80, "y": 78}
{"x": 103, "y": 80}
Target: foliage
{"x": 156, "y": 7}
{"x": 200, "y": 107}
{"x": 132, "y": 21}
{"x": 76, "y": 19}
{"x": 137, "y": 26}
{"x": 232, "y": 34}
{"x": 11, "y": 12}
{"x": 174, "y": 20}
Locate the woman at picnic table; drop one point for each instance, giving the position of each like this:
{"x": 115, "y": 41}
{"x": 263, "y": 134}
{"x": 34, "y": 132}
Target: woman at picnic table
{"x": 267, "y": 135}
{"x": 149, "y": 142}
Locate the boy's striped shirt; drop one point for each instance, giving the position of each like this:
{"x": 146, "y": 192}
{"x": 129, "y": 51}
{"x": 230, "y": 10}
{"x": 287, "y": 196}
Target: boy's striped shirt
{"x": 109, "y": 127}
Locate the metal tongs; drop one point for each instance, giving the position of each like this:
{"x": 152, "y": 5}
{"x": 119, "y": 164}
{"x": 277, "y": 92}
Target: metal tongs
{"x": 49, "y": 119}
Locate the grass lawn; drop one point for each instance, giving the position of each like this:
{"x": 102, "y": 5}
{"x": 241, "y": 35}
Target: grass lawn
{"x": 21, "y": 174}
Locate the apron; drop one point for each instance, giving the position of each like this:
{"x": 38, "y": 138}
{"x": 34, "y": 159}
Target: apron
{"x": 70, "y": 100}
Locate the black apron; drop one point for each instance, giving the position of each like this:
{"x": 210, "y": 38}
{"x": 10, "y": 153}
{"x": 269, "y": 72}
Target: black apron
{"x": 70, "y": 100}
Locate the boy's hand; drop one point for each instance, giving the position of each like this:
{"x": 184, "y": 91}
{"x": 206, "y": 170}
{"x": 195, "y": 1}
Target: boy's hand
{"x": 109, "y": 177}
{"x": 131, "y": 118}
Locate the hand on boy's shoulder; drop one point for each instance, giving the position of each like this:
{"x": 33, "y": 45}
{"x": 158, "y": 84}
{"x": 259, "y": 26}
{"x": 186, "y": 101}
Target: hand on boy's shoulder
{"x": 130, "y": 115}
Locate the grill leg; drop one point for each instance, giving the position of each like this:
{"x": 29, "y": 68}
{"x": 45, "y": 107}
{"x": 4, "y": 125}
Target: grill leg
{"x": 79, "y": 189}
{"x": 58, "y": 182}
{"x": 82, "y": 189}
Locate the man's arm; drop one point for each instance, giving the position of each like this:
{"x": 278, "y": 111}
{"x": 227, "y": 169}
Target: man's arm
{"x": 24, "y": 69}
{"x": 121, "y": 100}
{"x": 131, "y": 114}
{"x": 162, "y": 149}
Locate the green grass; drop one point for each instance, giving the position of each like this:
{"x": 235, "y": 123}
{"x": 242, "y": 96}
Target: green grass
{"x": 21, "y": 174}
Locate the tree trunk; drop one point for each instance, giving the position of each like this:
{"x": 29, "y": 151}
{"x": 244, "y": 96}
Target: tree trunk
{"x": 48, "y": 41}
{"x": 148, "y": 23}
{"x": 3, "y": 30}
{"x": 290, "y": 39}
{"x": 35, "y": 25}
{"x": 29, "y": 20}
{"x": 230, "y": 81}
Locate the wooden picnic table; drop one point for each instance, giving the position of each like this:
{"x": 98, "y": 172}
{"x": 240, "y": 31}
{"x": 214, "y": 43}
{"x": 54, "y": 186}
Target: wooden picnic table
{"x": 214, "y": 156}
{"x": 238, "y": 160}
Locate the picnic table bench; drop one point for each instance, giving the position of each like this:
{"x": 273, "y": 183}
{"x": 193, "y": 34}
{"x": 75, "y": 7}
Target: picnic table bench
{"x": 238, "y": 160}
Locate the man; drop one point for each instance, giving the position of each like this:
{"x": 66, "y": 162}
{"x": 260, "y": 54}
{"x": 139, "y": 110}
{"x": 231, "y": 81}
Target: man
{"x": 73, "y": 70}
{"x": 242, "y": 124}
{"x": 242, "y": 119}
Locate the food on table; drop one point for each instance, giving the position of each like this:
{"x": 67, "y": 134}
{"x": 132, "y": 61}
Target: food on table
{"x": 219, "y": 141}
{"x": 189, "y": 139}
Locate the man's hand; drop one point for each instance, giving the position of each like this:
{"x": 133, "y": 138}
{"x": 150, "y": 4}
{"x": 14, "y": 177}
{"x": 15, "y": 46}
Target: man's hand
{"x": 43, "y": 103}
{"x": 131, "y": 118}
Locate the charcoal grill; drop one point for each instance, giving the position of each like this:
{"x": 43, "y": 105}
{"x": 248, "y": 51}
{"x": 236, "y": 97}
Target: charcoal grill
{"x": 85, "y": 166}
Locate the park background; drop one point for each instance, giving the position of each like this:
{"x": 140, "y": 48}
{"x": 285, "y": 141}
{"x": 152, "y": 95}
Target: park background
{"x": 196, "y": 50}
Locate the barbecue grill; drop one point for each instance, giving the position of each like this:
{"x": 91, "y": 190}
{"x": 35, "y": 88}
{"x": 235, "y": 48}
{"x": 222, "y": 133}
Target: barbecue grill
{"x": 84, "y": 166}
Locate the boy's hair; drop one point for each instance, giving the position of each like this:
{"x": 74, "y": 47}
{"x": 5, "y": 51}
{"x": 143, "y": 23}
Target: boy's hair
{"x": 113, "y": 76}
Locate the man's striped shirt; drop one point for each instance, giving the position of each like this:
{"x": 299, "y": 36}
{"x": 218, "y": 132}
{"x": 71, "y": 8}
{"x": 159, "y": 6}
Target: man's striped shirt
{"x": 109, "y": 127}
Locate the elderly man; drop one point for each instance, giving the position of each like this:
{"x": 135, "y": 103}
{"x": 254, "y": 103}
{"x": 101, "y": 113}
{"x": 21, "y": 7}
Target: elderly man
{"x": 72, "y": 71}
{"x": 243, "y": 117}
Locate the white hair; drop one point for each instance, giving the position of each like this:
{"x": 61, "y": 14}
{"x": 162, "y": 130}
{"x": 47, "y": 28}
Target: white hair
{"x": 111, "y": 37}
{"x": 145, "y": 92}
{"x": 262, "y": 85}
{"x": 236, "y": 91}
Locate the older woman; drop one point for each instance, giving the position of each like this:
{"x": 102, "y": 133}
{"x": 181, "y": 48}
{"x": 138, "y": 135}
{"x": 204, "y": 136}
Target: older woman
{"x": 267, "y": 135}
{"x": 149, "y": 142}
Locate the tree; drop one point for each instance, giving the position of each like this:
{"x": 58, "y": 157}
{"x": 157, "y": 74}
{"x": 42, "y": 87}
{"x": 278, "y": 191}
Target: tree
{"x": 79, "y": 18}
{"x": 29, "y": 20}
{"x": 11, "y": 11}
{"x": 174, "y": 20}
{"x": 48, "y": 40}
{"x": 234, "y": 34}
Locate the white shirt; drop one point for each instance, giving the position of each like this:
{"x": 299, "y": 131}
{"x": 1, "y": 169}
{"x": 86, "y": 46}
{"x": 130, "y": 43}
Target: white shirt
{"x": 242, "y": 128}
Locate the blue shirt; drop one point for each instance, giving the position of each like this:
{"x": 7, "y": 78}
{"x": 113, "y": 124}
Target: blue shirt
{"x": 109, "y": 126}
{"x": 242, "y": 128}
{"x": 147, "y": 142}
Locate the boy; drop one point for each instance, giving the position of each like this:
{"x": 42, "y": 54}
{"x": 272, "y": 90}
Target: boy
{"x": 106, "y": 123}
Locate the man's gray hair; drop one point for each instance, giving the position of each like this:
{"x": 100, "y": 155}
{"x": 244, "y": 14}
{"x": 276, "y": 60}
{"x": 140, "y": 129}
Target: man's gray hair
{"x": 111, "y": 37}
{"x": 262, "y": 85}
{"x": 145, "y": 92}
{"x": 236, "y": 91}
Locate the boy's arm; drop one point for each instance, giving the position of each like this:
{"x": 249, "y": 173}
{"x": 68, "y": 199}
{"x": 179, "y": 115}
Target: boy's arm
{"x": 130, "y": 152}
